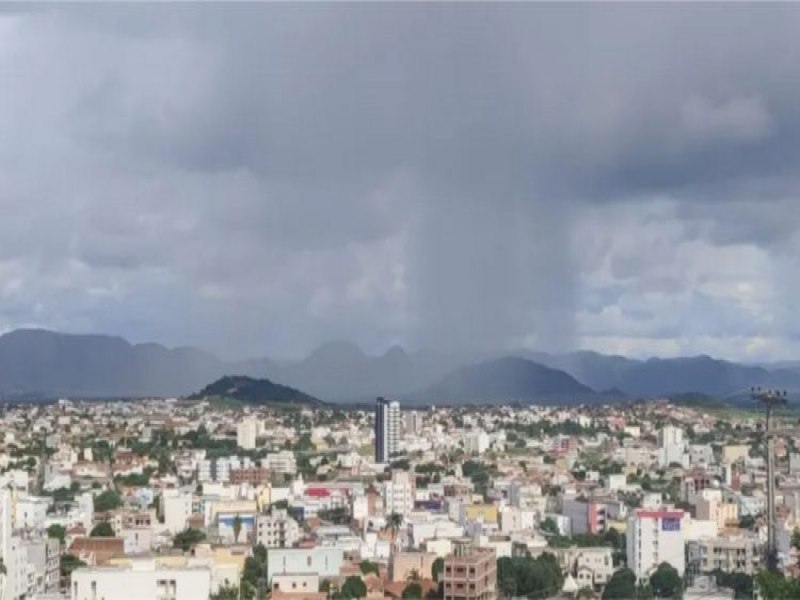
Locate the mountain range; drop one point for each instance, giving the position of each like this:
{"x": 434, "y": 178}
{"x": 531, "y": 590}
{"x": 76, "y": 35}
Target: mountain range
{"x": 42, "y": 364}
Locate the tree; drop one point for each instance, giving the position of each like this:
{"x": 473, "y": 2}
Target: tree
{"x": 69, "y": 563}
{"x": 103, "y": 529}
{"x": 353, "y": 587}
{"x": 237, "y": 528}
{"x": 58, "y": 532}
{"x": 188, "y": 538}
{"x": 548, "y": 526}
{"x": 226, "y": 592}
{"x": 369, "y": 567}
{"x": 740, "y": 583}
{"x": 393, "y": 523}
{"x": 108, "y": 500}
{"x": 665, "y": 581}
{"x": 621, "y": 586}
{"x": 775, "y": 586}
{"x": 528, "y": 576}
{"x": 436, "y": 568}
{"x": 412, "y": 591}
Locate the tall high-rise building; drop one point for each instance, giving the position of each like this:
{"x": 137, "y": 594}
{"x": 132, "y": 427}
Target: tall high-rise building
{"x": 387, "y": 429}
{"x": 246, "y": 433}
{"x": 653, "y": 537}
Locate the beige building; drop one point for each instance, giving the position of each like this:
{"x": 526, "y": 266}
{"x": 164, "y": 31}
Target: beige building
{"x": 734, "y": 452}
{"x": 403, "y": 564}
{"x": 470, "y": 573}
{"x": 729, "y": 553}
{"x": 711, "y": 508}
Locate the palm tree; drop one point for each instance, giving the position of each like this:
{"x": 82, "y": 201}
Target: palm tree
{"x": 393, "y": 523}
{"x": 237, "y": 527}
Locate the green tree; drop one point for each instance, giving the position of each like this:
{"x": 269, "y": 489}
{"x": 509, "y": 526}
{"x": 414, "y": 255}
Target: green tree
{"x": 740, "y": 583}
{"x": 413, "y": 591}
{"x": 237, "y": 528}
{"x": 393, "y": 523}
{"x": 58, "y": 532}
{"x": 226, "y": 592}
{"x": 188, "y": 538}
{"x": 621, "y": 586}
{"x": 353, "y": 587}
{"x": 774, "y": 586}
{"x": 548, "y": 526}
{"x": 68, "y": 563}
{"x": 436, "y": 568}
{"x": 369, "y": 567}
{"x": 527, "y": 576}
{"x": 103, "y": 529}
{"x": 108, "y": 500}
{"x": 666, "y": 582}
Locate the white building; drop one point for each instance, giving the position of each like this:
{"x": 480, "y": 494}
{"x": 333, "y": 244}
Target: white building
{"x": 280, "y": 462}
{"x": 277, "y": 530}
{"x": 246, "y": 433}
{"x": 672, "y": 446}
{"x": 31, "y": 512}
{"x": 476, "y": 442}
{"x": 177, "y": 508}
{"x": 141, "y": 580}
{"x": 398, "y": 494}
{"x": 653, "y": 537}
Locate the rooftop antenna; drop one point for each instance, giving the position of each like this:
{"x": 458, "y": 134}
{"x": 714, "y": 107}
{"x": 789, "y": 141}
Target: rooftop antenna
{"x": 770, "y": 399}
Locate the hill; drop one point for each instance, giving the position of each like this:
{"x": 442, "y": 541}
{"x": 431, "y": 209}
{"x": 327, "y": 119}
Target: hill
{"x": 503, "y": 381}
{"x": 255, "y": 391}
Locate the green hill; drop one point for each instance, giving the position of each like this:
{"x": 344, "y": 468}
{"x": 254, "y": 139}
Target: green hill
{"x": 255, "y": 391}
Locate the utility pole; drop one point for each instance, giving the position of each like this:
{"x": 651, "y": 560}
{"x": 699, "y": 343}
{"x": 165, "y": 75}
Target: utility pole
{"x": 770, "y": 399}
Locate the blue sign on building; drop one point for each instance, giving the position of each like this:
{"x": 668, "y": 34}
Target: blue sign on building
{"x": 670, "y": 524}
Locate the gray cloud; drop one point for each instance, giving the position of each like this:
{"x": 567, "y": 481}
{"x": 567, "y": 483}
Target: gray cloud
{"x": 261, "y": 178}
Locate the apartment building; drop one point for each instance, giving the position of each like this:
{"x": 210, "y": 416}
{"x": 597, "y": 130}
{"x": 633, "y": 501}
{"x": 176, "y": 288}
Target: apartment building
{"x": 141, "y": 581}
{"x": 584, "y": 517}
{"x": 246, "y": 433}
{"x": 398, "y": 494}
{"x": 277, "y": 530}
{"x": 254, "y": 476}
{"x": 280, "y": 462}
{"x": 470, "y": 573}
{"x": 653, "y": 537}
{"x": 729, "y": 553}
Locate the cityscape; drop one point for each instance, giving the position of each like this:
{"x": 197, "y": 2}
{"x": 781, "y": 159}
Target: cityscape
{"x": 388, "y": 300}
{"x": 214, "y": 498}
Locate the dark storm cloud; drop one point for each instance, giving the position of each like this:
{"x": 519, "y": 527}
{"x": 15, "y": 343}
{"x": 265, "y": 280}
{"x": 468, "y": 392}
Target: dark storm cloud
{"x": 260, "y": 178}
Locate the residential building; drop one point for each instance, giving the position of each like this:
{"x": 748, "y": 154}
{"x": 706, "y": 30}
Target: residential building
{"x": 322, "y": 561}
{"x": 280, "y": 462}
{"x": 729, "y": 553}
{"x": 398, "y": 494}
{"x": 177, "y": 508}
{"x": 141, "y": 581}
{"x": 387, "y": 429}
{"x": 246, "y": 433}
{"x": 653, "y": 537}
{"x": 277, "y": 530}
{"x": 470, "y": 573}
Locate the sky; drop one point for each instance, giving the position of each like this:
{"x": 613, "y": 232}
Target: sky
{"x": 259, "y": 179}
